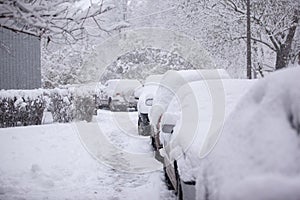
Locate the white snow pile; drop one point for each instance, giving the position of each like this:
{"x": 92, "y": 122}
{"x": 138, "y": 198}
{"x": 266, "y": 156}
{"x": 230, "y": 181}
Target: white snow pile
{"x": 51, "y": 162}
{"x": 258, "y": 154}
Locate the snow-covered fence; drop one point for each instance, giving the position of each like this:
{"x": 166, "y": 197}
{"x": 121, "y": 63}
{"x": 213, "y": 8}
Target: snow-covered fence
{"x": 26, "y": 107}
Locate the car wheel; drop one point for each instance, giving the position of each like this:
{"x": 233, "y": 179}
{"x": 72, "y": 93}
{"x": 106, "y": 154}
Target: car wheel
{"x": 167, "y": 180}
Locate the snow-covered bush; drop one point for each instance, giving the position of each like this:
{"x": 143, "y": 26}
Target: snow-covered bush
{"x": 73, "y": 103}
{"x": 20, "y": 108}
{"x": 84, "y": 107}
{"x": 61, "y": 105}
{"x": 26, "y": 107}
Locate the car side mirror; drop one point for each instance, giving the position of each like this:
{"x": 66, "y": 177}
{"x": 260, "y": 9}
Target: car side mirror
{"x": 167, "y": 128}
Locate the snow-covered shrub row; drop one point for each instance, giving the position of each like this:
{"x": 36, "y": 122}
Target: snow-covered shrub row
{"x": 21, "y": 108}
{"x": 26, "y": 107}
{"x": 74, "y": 102}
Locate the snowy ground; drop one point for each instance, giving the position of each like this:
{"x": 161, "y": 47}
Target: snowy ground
{"x": 51, "y": 162}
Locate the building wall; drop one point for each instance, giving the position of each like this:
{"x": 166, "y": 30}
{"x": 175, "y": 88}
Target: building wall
{"x": 20, "y": 60}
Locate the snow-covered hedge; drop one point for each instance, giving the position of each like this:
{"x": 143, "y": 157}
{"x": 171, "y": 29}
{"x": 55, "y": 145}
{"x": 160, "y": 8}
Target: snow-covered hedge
{"x": 21, "y": 109}
{"x": 60, "y": 104}
{"x": 84, "y": 105}
{"x": 26, "y": 107}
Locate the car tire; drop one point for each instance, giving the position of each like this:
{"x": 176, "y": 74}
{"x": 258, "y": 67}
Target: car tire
{"x": 168, "y": 181}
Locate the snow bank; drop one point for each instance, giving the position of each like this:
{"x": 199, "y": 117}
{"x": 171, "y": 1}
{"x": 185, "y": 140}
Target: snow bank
{"x": 258, "y": 151}
{"x": 50, "y": 162}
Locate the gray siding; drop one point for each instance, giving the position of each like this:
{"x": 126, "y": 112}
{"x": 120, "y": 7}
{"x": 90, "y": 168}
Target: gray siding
{"x": 20, "y": 60}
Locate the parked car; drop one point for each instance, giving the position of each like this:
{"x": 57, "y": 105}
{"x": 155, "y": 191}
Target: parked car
{"x": 170, "y": 83}
{"x": 195, "y": 114}
{"x": 120, "y": 94}
{"x": 258, "y": 154}
{"x": 145, "y": 101}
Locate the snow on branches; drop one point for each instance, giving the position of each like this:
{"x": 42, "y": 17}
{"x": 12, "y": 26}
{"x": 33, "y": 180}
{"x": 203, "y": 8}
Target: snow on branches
{"x": 52, "y": 19}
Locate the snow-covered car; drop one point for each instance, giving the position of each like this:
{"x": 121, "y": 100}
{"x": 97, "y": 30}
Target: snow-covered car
{"x": 120, "y": 94}
{"x": 169, "y": 84}
{"x": 258, "y": 154}
{"x": 197, "y": 111}
{"x": 145, "y": 101}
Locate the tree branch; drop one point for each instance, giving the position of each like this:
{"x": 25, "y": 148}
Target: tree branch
{"x": 256, "y": 40}
{"x": 46, "y": 18}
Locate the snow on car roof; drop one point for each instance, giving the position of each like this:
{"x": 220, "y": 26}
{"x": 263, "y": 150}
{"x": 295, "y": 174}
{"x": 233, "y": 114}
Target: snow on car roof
{"x": 173, "y": 80}
{"x": 124, "y": 81}
{"x": 150, "y": 86}
{"x": 121, "y": 85}
{"x": 153, "y": 79}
